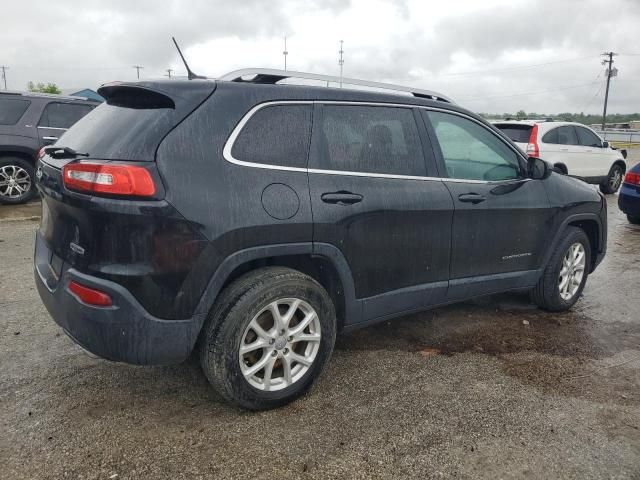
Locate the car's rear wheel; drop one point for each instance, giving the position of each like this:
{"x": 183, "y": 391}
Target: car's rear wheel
{"x": 613, "y": 181}
{"x": 268, "y": 338}
{"x": 566, "y": 273}
{"x": 17, "y": 182}
{"x": 634, "y": 220}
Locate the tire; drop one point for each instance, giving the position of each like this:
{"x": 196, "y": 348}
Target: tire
{"x": 20, "y": 173}
{"x": 547, "y": 293}
{"x": 228, "y": 327}
{"x": 613, "y": 181}
{"x": 634, "y": 220}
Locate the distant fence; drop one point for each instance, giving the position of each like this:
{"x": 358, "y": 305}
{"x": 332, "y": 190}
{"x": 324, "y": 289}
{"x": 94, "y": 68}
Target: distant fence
{"x": 621, "y": 137}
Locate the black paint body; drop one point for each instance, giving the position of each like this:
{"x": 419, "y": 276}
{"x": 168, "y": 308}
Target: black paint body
{"x": 405, "y": 244}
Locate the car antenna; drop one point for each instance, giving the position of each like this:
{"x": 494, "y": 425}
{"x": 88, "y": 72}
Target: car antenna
{"x": 190, "y": 74}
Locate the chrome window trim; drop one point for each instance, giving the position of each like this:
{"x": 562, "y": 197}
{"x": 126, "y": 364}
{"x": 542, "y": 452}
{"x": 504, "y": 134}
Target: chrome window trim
{"x": 228, "y": 146}
{"x": 52, "y": 128}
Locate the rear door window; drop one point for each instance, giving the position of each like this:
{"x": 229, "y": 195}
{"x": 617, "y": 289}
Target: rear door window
{"x": 516, "y": 133}
{"x": 565, "y": 136}
{"x": 63, "y": 115}
{"x": 12, "y": 109}
{"x": 276, "y": 135}
{"x": 551, "y": 137}
{"x": 370, "y": 139}
{"x": 587, "y": 138}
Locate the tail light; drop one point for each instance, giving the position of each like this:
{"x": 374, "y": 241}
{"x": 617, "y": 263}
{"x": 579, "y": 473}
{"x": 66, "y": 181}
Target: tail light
{"x": 90, "y": 296}
{"x": 109, "y": 179}
{"x": 632, "y": 178}
{"x": 532, "y": 147}
{"x": 41, "y": 153}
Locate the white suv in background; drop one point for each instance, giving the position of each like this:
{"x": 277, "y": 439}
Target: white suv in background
{"x": 571, "y": 147}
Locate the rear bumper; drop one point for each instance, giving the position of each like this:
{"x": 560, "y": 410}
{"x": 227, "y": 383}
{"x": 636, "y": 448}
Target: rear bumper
{"x": 629, "y": 200}
{"x": 124, "y": 332}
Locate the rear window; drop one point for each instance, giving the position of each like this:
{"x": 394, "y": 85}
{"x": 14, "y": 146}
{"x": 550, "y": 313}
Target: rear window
{"x": 276, "y": 135}
{"x": 133, "y": 120}
{"x": 119, "y": 133}
{"x": 516, "y": 133}
{"x": 12, "y": 109}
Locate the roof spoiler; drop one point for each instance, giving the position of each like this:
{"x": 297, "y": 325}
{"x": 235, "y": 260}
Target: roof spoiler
{"x": 135, "y": 96}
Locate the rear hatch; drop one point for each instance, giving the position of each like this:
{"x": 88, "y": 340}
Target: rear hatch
{"x": 109, "y": 234}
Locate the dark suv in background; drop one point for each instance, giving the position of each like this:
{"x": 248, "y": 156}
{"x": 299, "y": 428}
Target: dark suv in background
{"x": 252, "y": 221}
{"x": 27, "y": 123}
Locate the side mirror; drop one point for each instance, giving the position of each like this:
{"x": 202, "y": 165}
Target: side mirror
{"x": 537, "y": 168}
{"x": 605, "y": 144}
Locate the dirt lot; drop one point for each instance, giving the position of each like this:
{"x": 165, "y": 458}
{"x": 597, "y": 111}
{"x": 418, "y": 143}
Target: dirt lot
{"x": 487, "y": 389}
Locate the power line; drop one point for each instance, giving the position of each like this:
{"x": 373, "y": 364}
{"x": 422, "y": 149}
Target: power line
{"x": 138, "y": 68}
{"x": 566, "y": 87}
{"x": 610, "y": 73}
{"x": 341, "y": 60}
{"x": 285, "y": 53}
{"x": 4, "y": 75}
{"x": 518, "y": 67}
{"x": 591, "y": 97}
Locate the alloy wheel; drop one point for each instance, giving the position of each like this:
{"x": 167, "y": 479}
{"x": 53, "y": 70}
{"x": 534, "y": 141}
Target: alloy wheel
{"x": 572, "y": 271}
{"x": 15, "y": 181}
{"x": 280, "y": 344}
{"x": 615, "y": 179}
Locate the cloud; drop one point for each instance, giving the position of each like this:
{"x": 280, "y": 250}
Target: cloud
{"x": 424, "y": 44}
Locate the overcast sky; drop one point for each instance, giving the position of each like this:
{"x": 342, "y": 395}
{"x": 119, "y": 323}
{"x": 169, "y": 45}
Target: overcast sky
{"x": 480, "y": 53}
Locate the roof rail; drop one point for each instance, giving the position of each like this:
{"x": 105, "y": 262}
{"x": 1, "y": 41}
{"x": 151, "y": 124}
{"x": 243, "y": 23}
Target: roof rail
{"x": 58, "y": 96}
{"x": 272, "y": 76}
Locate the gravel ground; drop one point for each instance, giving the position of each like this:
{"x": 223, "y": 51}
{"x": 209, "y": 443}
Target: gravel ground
{"x": 493, "y": 388}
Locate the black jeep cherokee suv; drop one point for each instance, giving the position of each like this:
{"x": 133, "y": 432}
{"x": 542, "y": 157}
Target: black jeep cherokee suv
{"x": 252, "y": 221}
{"x": 29, "y": 121}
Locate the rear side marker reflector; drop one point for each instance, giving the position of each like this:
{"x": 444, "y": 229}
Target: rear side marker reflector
{"x": 90, "y": 296}
{"x": 110, "y": 179}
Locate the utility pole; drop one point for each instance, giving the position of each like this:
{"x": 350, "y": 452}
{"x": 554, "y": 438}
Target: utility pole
{"x": 285, "y": 53}
{"x": 4, "y": 75}
{"x": 611, "y": 72}
{"x": 138, "y": 68}
{"x": 341, "y": 60}
{"x": 168, "y": 70}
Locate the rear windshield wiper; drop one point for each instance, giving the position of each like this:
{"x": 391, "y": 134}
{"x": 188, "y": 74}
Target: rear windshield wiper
{"x": 63, "y": 152}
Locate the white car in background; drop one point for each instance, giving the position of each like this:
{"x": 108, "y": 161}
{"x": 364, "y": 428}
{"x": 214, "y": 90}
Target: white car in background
{"x": 571, "y": 147}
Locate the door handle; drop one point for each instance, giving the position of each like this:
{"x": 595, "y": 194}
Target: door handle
{"x": 474, "y": 198}
{"x": 564, "y": 149}
{"x": 52, "y": 139}
{"x": 341, "y": 198}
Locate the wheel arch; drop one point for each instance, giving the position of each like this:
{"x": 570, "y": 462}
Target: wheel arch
{"x": 591, "y": 224}
{"x": 28, "y": 155}
{"x": 562, "y": 167}
{"x": 329, "y": 270}
{"x": 622, "y": 165}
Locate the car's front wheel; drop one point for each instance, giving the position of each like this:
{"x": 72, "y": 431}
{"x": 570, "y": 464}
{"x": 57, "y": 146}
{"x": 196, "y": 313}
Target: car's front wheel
{"x": 613, "y": 181}
{"x": 17, "y": 183}
{"x": 566, "y": 273}
{"x": 268, "y": 338}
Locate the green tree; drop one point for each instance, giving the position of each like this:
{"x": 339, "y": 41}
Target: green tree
{"x": 521, "y": 115}
{"x": 40, "y": 87}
